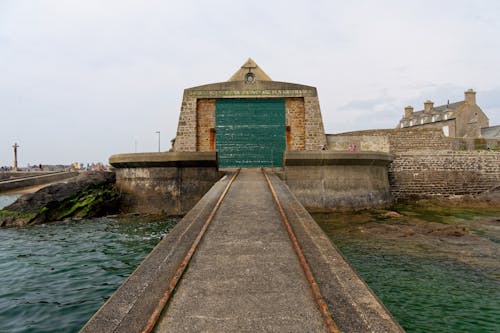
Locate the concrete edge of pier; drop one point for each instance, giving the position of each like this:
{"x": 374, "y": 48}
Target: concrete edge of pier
{"x": 11, "y": 184}
{"x": 353, "y": 305}
{"x": 130, "y": 307}
{"x": 164, "y": 159}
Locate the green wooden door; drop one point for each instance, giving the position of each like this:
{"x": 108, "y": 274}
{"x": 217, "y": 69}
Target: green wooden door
{"x": 250, "y": 132}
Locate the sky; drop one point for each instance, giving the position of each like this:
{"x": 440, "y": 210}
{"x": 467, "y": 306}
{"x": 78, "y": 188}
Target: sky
{"x": 83, "y": 80}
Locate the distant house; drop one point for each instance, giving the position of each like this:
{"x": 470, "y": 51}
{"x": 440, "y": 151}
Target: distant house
{"x": 460, "y": 119}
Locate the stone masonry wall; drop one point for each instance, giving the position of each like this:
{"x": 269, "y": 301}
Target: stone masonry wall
{"x": 376, "y": 143}
{"x": 399, "y": 140}
{"x": 186, "y": 128}
{"x": 295, "y": 118}
{"x": 443, "y": 173}
{"x": 314, "y": 129}
{"x": 427, "y": 164}
{"x": 205, "y": 123}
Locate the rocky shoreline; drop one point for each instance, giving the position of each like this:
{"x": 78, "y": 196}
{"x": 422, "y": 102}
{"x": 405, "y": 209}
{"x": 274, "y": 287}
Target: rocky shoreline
{"x": 90, "y": 194}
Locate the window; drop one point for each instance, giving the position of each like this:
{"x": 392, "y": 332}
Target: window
{"x": 446, "y": 130}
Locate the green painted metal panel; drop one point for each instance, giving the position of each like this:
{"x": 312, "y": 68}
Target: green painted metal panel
{"x": 250, "y": 132}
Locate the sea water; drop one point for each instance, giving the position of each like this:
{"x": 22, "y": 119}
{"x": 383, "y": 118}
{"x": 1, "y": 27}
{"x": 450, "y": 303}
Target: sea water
{"x": 54, "y": 277}
{"x": 430, "y": 283}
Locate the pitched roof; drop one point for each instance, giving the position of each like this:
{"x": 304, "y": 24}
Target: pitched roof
{"x": 439, "y": 113}
{"x": 250, "y": 67}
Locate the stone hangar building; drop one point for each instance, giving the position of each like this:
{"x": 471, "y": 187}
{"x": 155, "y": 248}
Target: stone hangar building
{"x": 250, "y": 120}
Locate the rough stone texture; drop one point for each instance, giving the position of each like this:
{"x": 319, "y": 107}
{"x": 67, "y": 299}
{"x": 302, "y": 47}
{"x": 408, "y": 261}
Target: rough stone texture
{"x": 476, "y": 144}
{"x": 399, "y": 140}
{"x": 338, "y": 181}
{"x": 206, "y": 122}
{"x": 314, "y": 130}
{"x": 88, "y": 195}
{"x": 424, "y": 174}
{"x": 186, "y": 128}
{"x": 427, "y": 164}
{"x": 197, "y": 117}
{"x": 363, "y": 143}
{"x": 295, "y": 119}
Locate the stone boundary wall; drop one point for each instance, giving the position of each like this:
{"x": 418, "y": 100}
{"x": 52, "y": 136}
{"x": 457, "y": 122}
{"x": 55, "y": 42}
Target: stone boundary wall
{"x": 440, "y": 173}
{"x": 392, "y": 140}
{"x": 427, "y": 164}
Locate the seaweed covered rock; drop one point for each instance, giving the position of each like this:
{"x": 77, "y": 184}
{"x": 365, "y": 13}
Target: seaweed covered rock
{"x": 90, "y": 194}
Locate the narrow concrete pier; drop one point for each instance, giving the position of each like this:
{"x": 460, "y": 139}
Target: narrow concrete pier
{"x": 245, "y": 275}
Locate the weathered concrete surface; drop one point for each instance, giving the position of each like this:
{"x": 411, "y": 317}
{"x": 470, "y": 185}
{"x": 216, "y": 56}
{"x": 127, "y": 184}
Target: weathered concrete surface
{"x": 88, "y": 195}
{"x": 130, "y": 307}
{"x": 245, "y": 276}
{"x": 354, "y": 307}
{"x": 338, "y": 181}
{"x": 32, "y": 179}
{"x": 164, "y": 183}
{"x": 168, "y": 159}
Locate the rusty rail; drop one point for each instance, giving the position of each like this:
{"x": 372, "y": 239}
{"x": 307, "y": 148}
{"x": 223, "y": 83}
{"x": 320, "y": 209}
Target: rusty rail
{"x": 182, "y": 267}
{"x": 320, "y": 301}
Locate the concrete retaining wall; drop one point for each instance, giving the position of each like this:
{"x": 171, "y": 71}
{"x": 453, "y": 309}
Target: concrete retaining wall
{"x": 169, "y": 183}
{"x": 338, "y": 181}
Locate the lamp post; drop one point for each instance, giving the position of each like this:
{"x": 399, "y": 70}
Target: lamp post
{"x": 158, "y": 132}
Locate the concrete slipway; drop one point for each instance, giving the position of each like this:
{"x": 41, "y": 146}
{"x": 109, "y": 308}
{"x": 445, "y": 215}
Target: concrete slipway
{"x": 244, "y": 275}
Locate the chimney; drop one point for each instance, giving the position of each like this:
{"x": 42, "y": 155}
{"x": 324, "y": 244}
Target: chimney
{"x": 408, "y": 111}
{"x": 470, "y": 97}
{"x": 428, "y": 105}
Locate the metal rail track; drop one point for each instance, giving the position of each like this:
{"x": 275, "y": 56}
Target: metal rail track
{"x": 323, "y": 307}
{"x": 182, "y": 267}
{"x": 320, "y": 301}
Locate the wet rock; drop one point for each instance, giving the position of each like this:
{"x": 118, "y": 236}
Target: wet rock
{"x": 391, "y": 214}
{"x": 91, "y": 194}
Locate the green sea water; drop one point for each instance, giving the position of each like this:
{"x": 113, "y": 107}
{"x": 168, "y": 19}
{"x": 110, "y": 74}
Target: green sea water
{"x": 431, "y": 281}
{"x": 54, "y": 277}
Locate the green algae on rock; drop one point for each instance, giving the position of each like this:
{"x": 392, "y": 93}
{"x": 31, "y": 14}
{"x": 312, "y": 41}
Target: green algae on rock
{"x": 91, "y": 194}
